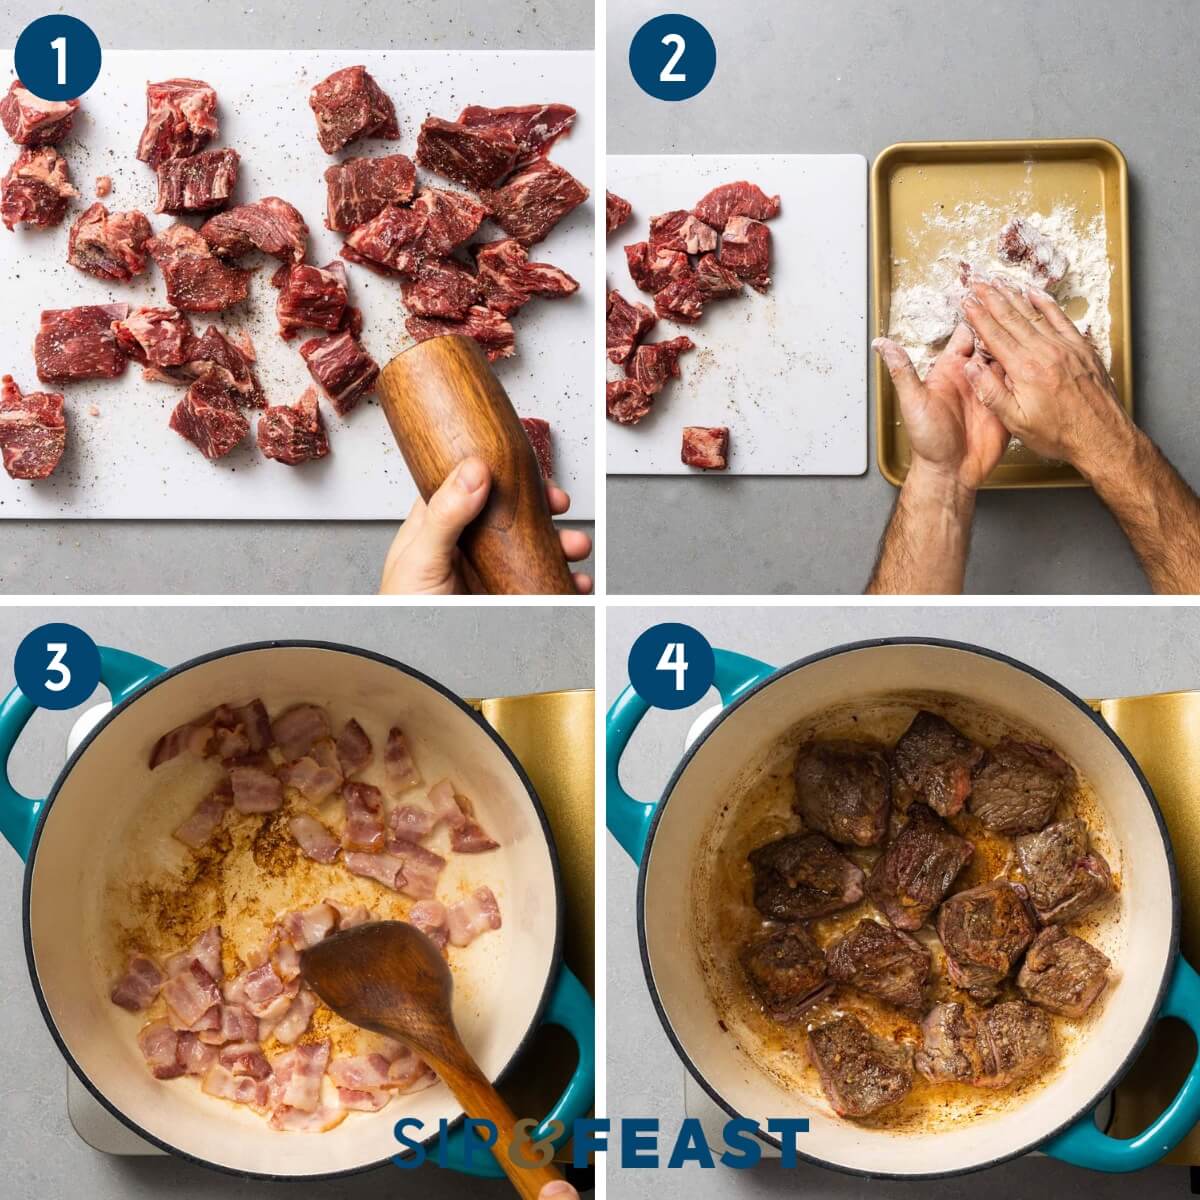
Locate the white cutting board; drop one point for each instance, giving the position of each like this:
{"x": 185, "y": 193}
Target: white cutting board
{"x": 125, "y": 462}
{"x": 786, "y": 371}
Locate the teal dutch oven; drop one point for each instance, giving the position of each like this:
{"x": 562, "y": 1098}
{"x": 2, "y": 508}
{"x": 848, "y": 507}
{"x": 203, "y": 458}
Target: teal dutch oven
{"x": 667, "y": 839}
{"x": 65, "y": 840}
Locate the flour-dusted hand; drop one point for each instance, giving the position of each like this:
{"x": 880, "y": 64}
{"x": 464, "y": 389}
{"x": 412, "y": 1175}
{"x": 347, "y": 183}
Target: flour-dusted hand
{"x": 424, "y": 558}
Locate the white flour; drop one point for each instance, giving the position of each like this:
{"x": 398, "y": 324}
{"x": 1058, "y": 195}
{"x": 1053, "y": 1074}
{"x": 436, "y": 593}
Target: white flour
{"x": 924, "y": 314}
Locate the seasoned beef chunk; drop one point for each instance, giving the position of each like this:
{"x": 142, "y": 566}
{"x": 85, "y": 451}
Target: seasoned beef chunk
{"x": 31, "y": 121}
{"x": 1016, "y": 1041}
{"x": 359, "y": 189}
{"x": 681, "y": 300}
{"x": 230, "y": 363}
{"x": 616, "y": 211}
{"x": 156, "y": 337}
{"x": 197, "y": 184}
{"x": 293, "y": 433}
{"x": 197, "y": 280}
{"x": 509, "y": 280}
{"x": 859, "y": 1072}
{"x": 109, "y": 245}
{"x": 401, "y": 239}
{"x": 33, "y": 431}
{"x": 493, "y": 333}
{"x": 715, "y": 280}
{"x": 803, "y": 875}
{"x": 537, "y": 431}
{"x": 984, "y": 931}
{"x": 680, "y": 230}
{"x": 36, "y": 189}
{"x": 739, "y": 199}
{"x": 342, "y": 368}
{"x": 271, "y": 225}
{"x": 1019, "y": 787}
{"x": 1065, "y": 879}
{"x": 180, "y": 120}
{"x": 626, "y": 401}
{"x": 881, "y": 961}
{"x": 948, "y": 1045}
{"x": 348, "y": 105}
{"x": 935, "y": 761}
{"x": 534, "y": 200}
{"x": 787, "y": 970}
{"x": 208, "y": 416}
{"x": 914, "y": 873}
{"x": 706, "y": 447}
{"x": 310, "y": 297}
{"x": 653, "y": 363}
{"x": 625, "y": 325}
{"x": 478, "y": 157}
{"x": 1062, "y": 973}
{"x": 746, "y": 251}
{"x": 843, "y": 789}
{"x": 445, "y": 288}
{"x": 652, "y": 270}
{"x": 536, "y": 127}
{"x": 78, "y": 343}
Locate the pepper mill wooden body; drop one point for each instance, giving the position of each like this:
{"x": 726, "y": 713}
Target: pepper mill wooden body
{"x": 444, "y": 403}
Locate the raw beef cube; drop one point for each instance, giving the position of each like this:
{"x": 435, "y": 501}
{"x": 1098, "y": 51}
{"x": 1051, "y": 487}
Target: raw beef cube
{"x": 705, "y": 447}
{"x": 229, "y": 363}
{"x": 181, "y": 119}
{"x": 680, "y": 300}
{"x": 348, "y": 105}
{"x": 1023, "y": 243}
{"x": 78, "y": 343}
{"x": 802, "y": 876}
{"x": 478, "y": 157}
{"x": 625, "y": 325}
{"x": 33, "y": 431}
{"x": 626, "y": 401}
{"x": 492, "y": 331}
{"x": 616, "y": 211}
{"x": 451, "y": 218}
{"x": 401, "y": 239}
{"x": 197, "y": 184}
{"x": 787, "y": 971}
{"x": 534, "y": 200}
{"x": 344, "y": 370}
{"x": 109, "y": 246}
{"x": 714, "y": 280}
{"x": 311, "y": 297}
{"x": 36, "y": 189}
{"x": 653, "y": 363}
{"x": 271, "y": 225}
{"x": 361, "y": 188}
{"x": 294, "y": 433}
{"x": 156, "y": 337}
{"x": 739, "y": 199}
{"x": 197, "y": 281}
{"x": 538, "y": 433}
{"x": 209, "y": 418}
{"x": 746, "y": 251}
{"x": 31, "y": 121}
{"x": 510, "y": 280}
{"x": 443, "y": 287}
{"x": 536, "y": 127}
{"x": 680, "y": 230}
{"x": 653, "y": 270}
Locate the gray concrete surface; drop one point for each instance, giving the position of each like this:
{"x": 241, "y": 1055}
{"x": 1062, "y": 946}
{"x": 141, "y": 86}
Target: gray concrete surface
{"x": 816, "y": 76}
{"x": 1150, "y": 649}
{"x": 278, "y": 557}
{"x": 475, "y": 651}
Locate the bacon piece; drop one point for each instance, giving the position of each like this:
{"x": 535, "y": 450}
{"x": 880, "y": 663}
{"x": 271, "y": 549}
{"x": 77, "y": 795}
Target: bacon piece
{"x": 364, "y": 817}
{"x": 261, "y": 987}
{"x": 36, "y": 189}
{"x": 190, "y": 994}
{"x": 534, "y": 200}
{"x": 707, "y": 448}
{"x": 626, "y": 401}
{"x": 241, "y": 1089}
{"x": 468, "y": 918}
{"x": 354, "y": 749}
{"x": 33, "y": 431}
{"x": 109, "y": 245}
{"x": 349, "y": 105}
{"x": 253, "y": 720}
{"x": 652, "y": 269}
{"x": 746, "y": 251}
{"x": 383, "y": 868}
{"x": 360, "y": 1071}
{"x": 363, "y": 1099}
{"x": 359, "y": 189}
{"x": 625, "y": 325}
{"x": 398, "y": 765}
{"x": 255, "y": 790}
{"x": 445, "y": 807}
{"x": 535, "y": 127}
{"x": 509, "y": 280}
{"x": 180, "y": 120}
{"x": 342, "y": 368}
{"x": 195, "y": 1055}
{"x": 31, "y": 121}
{"x": 198, "y": 183}
{"x": 478, "y": 157}
{"x": 653, "y": 363}
{"x": 310, "y": 297}
{"x": 296, "y": 730}
{"x": 740, "y": 199}
{"x": 471, "y": 838}
{"x": 157, "y": 337}
{"x": 432, "y": 918}
{"x": 204, "y": 821}
{"x": 159, "y": 1044}
{"x": 298, "y": 1073}
{"x": 294, "y": 1120}
{"x": 616, "y": 212}
{"x": 78, "y": 343}
{"x": 493, "y": 333}
{"x": 295, "y": 1021}
{"x": 271, "y": 225}
{"x": 195, "y": 737}
{"x": 235, "y": 1024}
{"x": 351, "y": 915}
{"x": 205, "y": 950}
{"x": 293, "y": 433}
{"x": 411, "y": 821}
{"x": 245, "y": 1058}
{"x": 314, "y": 838}
{"x": 197, "y": 280}
{"x": 420, "y": 868}
{"x": 305, "y": 927}
{"x": 138, "y": 987}
{"x": 285, "y": 958}
{"x": 408, "y": 1073}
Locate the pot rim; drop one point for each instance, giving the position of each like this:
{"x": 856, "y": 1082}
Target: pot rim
{"x": 228, "y": 652}
{"x": 985, "y": 652}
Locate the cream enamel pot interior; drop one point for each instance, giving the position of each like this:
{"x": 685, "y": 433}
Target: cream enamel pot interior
{"x": 761, "y": 704}
{"x": 501, "y": 994}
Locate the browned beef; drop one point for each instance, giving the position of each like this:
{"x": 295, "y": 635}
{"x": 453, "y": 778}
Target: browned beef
{"x": 1019, "y": 787}
{"x": 984, "y": 931}
{"x": 1062, "y": 973}
{"x": 843, "y": 790}
{"x": 860, "y": 1073}
{"x": 787, "y": 970}
{"x": 881, "y": 961}
{"x": 948, "y": 1045}
{"x": 803, "y": 876}
{"x": 935, "y": 762}
{"x": 1016, "y": 1041}
{"x": 1065, "y": 879}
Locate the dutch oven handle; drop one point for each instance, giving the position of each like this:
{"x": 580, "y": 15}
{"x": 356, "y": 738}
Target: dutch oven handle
{"x": 572, "y": 1009}
{"x": 629, "y": 819}
{"x": 1085, "y": 1145}
{"x": 121, "y": 672}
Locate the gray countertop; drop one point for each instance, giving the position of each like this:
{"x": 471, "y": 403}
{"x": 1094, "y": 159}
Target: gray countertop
{"x": 815, "y": 76}
{"x": 245, "y": 557}
{"x": 1159, "y": 650}
{"x": 474, "y": 651}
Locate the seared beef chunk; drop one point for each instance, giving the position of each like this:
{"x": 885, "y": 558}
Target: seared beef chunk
{"x": 803, "y": 876}
{"x": 881, "y": 961}
{"x": 860, "y": 1072}
{"x": 1016, "y": 1041}
{"x": 1019, "y": 787}
{"x": 910, "y": 878}
{"x": 787, "y": 970}
{"x": 1063, "y": 973}
{"x": 948, "y": 1047}
{"x": 984, "y": 931}
{"x": 1065, "y": 879}
{"x": 843, "y": 790}
{"x": 936, "y": 761}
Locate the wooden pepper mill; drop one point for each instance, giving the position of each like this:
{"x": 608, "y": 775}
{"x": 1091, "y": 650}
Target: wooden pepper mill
{"x": 444, "y": 403}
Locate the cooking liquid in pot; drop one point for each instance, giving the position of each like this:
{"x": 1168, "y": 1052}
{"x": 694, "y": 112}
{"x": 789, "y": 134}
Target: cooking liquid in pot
{"x": 760, "y": 810}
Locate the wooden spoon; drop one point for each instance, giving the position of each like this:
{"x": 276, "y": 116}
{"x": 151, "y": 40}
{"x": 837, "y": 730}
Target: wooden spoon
{"x": 387, "y": 976}
{"x": 444, "y": 403}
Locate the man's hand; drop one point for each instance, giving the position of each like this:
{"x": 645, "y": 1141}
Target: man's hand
{"x": 1051, "y": 389}
{"x": 424, "y": 558}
